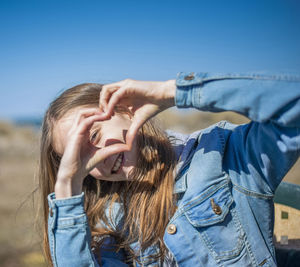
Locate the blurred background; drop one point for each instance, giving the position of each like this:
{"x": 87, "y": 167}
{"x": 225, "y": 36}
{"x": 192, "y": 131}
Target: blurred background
{"x": 49, "y": 46}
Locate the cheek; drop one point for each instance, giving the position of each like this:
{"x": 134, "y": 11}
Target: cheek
{"x": 113, "y": 134}
{"x": 114, "y": 129}
{"x": 120, "y": 123}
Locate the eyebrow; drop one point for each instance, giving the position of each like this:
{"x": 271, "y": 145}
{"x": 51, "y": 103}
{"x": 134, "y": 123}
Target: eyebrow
{"x": 96, "y": 124}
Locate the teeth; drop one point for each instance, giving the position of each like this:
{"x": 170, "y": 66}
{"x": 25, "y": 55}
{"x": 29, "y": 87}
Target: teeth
{"x": 117, "y": 163}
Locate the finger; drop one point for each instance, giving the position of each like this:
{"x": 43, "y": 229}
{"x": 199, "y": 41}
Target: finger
{"x": 132, "y": 131}
{"x": 115, "y": 99}
{"x": 140, "y": 117}
{"x": 77, "y": 139}
{"x": 105, "y": 95}
{"x": 112, "y": 85}
{"x": 86, "y": 113}
{"x": 107, "y": 90}
{"x": 103, "y": 153}
{"x": 87, "y": 123}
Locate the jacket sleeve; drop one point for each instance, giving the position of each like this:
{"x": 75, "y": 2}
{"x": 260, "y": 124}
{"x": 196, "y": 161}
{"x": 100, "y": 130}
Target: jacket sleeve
{"x": 70, "y": 238}
{"x": 258, "y": 154}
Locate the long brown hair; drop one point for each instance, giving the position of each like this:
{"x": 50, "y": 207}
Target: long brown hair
{"x": 147, "y": 200}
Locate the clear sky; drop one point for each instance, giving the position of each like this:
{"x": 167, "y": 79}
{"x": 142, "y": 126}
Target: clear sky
{"x": 48, "y": 46}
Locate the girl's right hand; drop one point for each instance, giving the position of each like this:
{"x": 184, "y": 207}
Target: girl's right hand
{"x": 80, "y": 155}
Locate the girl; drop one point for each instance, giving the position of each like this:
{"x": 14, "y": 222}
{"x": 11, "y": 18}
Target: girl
{"x": 122, "y": 192}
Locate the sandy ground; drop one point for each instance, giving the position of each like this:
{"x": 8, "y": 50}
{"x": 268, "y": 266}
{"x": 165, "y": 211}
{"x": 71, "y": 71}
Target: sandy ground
{"x": 20, "y": 242}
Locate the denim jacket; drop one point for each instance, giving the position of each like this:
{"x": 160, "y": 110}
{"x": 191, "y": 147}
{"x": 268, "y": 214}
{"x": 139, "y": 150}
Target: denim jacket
{"x": 225, "y": 178}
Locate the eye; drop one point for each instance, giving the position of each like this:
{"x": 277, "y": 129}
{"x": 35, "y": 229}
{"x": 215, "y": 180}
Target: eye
{"x": 93, "y": 136}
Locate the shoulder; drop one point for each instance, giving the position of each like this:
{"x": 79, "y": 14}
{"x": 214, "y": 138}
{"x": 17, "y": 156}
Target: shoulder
{"x": 213, "y": 138}
{"x": 202, "y": 143}
{"x": 212, "y": 132}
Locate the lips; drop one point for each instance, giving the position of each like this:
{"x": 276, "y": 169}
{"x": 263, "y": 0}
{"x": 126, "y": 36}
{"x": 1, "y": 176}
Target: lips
{"x": 118, "y": 163}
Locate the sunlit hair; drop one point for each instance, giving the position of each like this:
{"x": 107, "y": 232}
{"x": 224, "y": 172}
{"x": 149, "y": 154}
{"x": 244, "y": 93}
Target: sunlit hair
{"x": 147, "y": 201}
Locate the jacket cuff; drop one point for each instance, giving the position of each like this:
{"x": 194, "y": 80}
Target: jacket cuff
{"x": 186, "y": 96}
{"x": 67, "y": 211}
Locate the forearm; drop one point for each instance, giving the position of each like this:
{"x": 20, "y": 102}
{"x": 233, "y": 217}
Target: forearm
{"x": 264, "y": 149}
{"x": 259, "y": 97}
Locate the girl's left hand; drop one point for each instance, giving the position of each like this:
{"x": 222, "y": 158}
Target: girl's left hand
{"x": 145, "y": 99}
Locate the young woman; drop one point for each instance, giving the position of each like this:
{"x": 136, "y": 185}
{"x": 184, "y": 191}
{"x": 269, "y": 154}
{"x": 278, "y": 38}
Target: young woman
{"x": 121, "y": 191}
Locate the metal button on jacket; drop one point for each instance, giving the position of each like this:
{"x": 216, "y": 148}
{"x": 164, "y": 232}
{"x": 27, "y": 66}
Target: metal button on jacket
{"x": 171, "y": 229}
{"x": 189, "y": 77}
{"x": 215, "y": 207}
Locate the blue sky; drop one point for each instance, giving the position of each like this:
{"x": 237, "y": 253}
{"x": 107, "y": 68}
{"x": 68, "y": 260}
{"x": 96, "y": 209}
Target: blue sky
{"x": 49, "y": 46}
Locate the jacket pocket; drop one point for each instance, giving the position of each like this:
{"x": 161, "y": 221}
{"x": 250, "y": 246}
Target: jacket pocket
{"x": 215, "y": 218}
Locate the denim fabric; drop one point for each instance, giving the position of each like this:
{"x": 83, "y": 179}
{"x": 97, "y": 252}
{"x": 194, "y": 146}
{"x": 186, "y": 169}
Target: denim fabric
{"x": 225, "y": 178}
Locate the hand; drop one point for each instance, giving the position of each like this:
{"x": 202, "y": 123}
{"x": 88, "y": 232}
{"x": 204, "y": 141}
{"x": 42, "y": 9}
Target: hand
{"x": 145, "y": 99}
{"x": 80, "y": 155}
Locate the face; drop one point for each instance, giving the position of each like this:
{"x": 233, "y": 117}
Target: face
{"x": 104, "y": 133}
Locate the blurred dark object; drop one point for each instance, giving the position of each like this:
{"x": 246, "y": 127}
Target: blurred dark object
{"x": 288, "y": 194}
{"x": 287, "y": 225}
{"x": 287, "y": 257}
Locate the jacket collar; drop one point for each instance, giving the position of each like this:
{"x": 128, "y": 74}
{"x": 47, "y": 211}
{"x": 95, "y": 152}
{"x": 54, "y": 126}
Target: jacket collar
{"x": 180, "y": 185}
{"x": 184, "y": 146}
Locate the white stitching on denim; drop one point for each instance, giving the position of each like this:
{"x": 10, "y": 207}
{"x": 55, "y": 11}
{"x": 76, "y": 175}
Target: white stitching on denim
{"x": 251, "y": 193}
{"x": 52, "y": 236}
{"x": 206, "y": 194}
{"x": 200, "y": 198}
{"x": 71, "y": 218}
{"x": 226, "y": 255}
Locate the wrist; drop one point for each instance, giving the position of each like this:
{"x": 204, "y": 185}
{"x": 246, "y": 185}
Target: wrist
{"x": 169, "y": 91}
{"x": 65, "y": 188}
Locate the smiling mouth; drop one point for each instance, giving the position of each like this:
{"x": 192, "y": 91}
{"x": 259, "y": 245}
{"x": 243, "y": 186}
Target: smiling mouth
{"x": 118, "y": 163}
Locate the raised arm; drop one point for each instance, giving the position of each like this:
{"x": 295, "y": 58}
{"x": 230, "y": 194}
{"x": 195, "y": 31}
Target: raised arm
{"x": 260, "y": 153}
{"x": 261, "y": 97}
{"x": 264, "y": 149}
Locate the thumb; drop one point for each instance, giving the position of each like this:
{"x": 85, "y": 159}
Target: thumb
{"x": 103, "y": 153}
{"x": 132, "y": 131}
{"x": 139, "y": 118}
